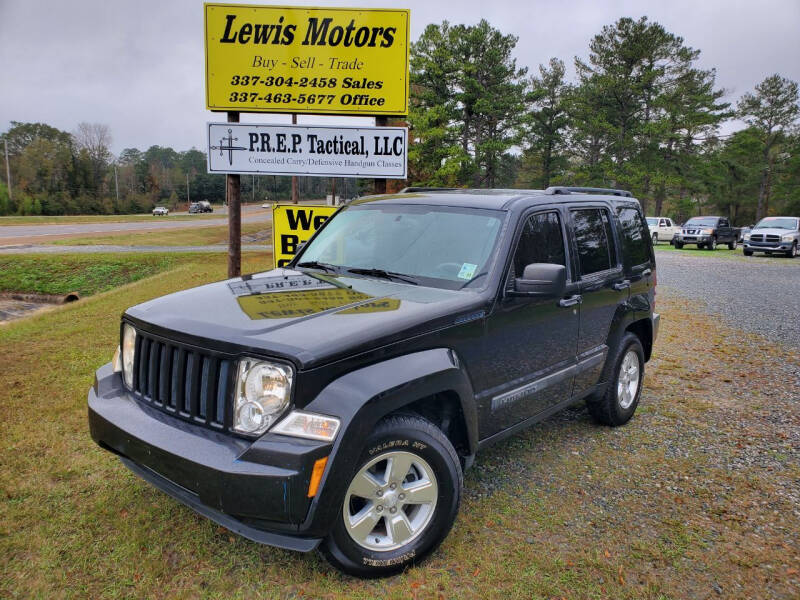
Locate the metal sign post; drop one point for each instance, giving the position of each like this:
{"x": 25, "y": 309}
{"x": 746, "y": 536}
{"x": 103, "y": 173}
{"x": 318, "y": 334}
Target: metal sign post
{"x": 233, "y": 196}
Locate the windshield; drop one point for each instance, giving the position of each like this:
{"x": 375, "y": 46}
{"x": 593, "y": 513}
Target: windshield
{"x": 652, "y": 221}
{"x": 777, "y": 223}
{"x": 440, "y": 246}
{"x": 701, "y": 222}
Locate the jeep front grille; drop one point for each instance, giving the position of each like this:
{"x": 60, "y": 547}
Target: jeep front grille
{"x": 182, "y": 381}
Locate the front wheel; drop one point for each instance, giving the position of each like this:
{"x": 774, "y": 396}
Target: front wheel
{"x": 621, "y": 397}
{"x": 401, "y": 501}
{"x": 712, "y": 244}
{"x": 655, "y": 239}
{"x": 679, "y": 245}
{"x": 747, "y": 252}
{"x": 792, "y": 252}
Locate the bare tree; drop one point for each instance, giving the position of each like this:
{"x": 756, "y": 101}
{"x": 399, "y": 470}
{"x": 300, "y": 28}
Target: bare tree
{"x": 95, "y": 138}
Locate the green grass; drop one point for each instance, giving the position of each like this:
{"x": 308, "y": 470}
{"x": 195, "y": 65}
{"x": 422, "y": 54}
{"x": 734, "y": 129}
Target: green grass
{"x": 195, "y": 236}
{"x": 564, "y": 510}
{"x": 83, "y": 273}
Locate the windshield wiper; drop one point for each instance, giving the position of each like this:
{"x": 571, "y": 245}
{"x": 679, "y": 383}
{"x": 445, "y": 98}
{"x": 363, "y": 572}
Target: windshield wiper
{"x": 313, "y": 264}
{"x": 384, "y": 274}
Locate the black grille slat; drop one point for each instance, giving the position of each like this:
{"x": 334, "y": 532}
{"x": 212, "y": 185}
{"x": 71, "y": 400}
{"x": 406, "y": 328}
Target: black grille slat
{"x": 152, "y": 374}
{"x": 164, "y": 371}
{"x": 222, "y": 386}
{"x": 190, "y": 384}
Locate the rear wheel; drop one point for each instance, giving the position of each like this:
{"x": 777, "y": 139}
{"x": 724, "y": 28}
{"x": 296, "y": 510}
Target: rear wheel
{"x": 621, "y": 397}
{"x": 655, "y": 239}
{"x": 733, "y": 245}
{"x": 401, "y": 501}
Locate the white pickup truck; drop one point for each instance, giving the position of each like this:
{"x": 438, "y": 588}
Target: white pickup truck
{"x": 662, "y": 229}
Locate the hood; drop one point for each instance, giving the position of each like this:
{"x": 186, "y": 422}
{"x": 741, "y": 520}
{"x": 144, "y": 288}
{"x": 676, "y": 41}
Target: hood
{"x": 308, "y": 318}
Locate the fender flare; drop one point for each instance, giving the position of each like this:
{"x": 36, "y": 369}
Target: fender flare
{"x": 362, "y": 398}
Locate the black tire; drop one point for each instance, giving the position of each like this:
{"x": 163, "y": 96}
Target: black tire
{"x": 792, "y": 252}
{"x": 655, "y": 239}
{"x": 711, "y": 244}
{"x": 700, "y": 246}
{"x": 747, "y": 252}
{"x": 417, "y": 436}
{"x": 607, "y": 408}
{"x": 678, "y": 245}
{"x": 733, "y": 245}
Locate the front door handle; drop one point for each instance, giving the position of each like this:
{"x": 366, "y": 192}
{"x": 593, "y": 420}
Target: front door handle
{"x": 571, "y": 301}
{"x": 622, "y": 285}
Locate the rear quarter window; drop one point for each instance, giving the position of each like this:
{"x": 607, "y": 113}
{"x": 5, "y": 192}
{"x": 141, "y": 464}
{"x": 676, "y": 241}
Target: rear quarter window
{"x": 634, "y": 236}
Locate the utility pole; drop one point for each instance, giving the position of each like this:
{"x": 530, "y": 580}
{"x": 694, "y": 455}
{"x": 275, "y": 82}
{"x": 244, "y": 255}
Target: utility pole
{"x": 254, "y": 189}
{"x": 8, "y": 172}
{"x": 187, "y": 190}
{"x": 333, "y": 190}
{"x": 295, "y": 194}
{"x": 232, "y": 193}
{"x": 116, "y": 184}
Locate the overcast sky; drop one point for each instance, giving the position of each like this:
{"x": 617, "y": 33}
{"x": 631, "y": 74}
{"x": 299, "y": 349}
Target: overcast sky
{"x": 137, "y": 66}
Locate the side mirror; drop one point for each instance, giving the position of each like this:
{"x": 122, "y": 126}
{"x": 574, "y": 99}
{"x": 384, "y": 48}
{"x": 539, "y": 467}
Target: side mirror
{"x": 543, "y": 280}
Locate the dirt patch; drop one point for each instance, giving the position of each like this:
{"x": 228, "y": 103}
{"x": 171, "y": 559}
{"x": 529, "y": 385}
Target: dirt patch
{"x": 11, "y": 310}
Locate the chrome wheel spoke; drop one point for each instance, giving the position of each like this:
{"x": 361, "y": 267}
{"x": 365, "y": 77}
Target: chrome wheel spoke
{"x": 365, "y": 485}
{"x": 420, "y": 492}
{"x": 398, "y": 467}
{"x": 399, "y": 527}
{"x": 363, "y": 523}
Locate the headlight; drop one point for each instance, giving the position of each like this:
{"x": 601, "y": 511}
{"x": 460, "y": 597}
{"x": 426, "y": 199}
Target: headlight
{"x": 263, "y": 390}
{"x": 787, "y": 238}
{"x": 128, "y": 350}
{"x": 746, "y": 237}
{"x": 308, "y": 425}
{"x": 708, "y": 231}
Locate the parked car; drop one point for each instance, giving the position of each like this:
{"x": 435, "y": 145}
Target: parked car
{"x": 334, "y": 403}
{"x": 160, "y": 211}
{"x": 774, "y": 235}
{"x": 707, "y": 232}
{"x": 203, "y": 206}
{"x": 662, "y": 229}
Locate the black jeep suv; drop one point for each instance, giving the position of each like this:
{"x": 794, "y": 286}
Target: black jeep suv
{"x": 334, "y": 403}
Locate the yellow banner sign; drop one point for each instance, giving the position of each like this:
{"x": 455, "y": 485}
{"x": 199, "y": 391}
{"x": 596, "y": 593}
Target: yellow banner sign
{"x": 306, "y": 60}
{"x": 289, "y": 305}
{"x": 294, "y": 224}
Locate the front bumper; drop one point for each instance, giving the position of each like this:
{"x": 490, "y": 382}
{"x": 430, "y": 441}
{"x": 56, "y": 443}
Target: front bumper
{"x": 691, "y": 239}
{"x": 255, "y": 489}
{"x": 767, "y": 247}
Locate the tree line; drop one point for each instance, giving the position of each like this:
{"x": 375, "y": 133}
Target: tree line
{"x": 640, "y": 114}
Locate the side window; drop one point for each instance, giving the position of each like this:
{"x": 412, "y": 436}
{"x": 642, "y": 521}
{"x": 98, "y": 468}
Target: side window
{"x": 594, "y": 239}
{"x": 669, "y": 222}
{"x": 541, "y": 242}
{"x": 634, "y": 234}
{"x": 663, "y": 223}
{"x": 723, "y": 222}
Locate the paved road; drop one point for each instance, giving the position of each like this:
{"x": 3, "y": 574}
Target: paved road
{"x": 59, "y": 249}
{"x": 27, "y": 234}
{"x": 759, "y": 294}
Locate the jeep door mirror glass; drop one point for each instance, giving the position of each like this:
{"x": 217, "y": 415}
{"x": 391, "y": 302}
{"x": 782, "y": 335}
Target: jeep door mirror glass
{"x": 545, "y": 280}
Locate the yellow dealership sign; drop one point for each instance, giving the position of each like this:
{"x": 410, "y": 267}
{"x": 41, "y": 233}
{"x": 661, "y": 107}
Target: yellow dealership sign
{"x": 294, "y": 224}
{"x": 306, "y": 60}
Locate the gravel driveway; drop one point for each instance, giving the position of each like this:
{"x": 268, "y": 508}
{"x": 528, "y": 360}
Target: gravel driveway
{"x": 759, "y": 294}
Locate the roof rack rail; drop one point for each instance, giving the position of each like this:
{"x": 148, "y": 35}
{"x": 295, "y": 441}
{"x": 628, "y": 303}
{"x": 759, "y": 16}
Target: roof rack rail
{"x": 408, "y": 190}
{"x": 587, "y": 190}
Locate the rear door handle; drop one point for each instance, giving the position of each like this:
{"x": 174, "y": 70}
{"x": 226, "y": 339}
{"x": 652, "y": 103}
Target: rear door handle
{"x": 571, "y": 301}
{"x": 622, "y": 285}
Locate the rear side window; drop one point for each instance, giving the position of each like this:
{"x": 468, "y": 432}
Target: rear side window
{"x": 541, "y": 242}
{"x": 594, "y": 240}
{"x": 633, "y": 232}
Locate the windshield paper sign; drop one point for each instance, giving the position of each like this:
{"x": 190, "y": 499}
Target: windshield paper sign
{"x": 316, "y": 151}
